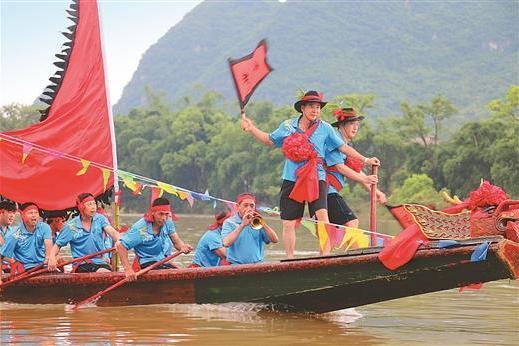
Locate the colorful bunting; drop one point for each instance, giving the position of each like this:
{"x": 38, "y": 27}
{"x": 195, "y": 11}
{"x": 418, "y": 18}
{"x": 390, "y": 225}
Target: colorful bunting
{"x": 310, "y": 226}
{"x": 182, "y": 194}
{"x": 156, "y": 192}
{"x": 354, "y": 238}
{"x": 85, "y": 164}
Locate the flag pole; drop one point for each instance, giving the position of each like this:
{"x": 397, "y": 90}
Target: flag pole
{"x": 373, "y": 208}
{"x": 116, "y": 206}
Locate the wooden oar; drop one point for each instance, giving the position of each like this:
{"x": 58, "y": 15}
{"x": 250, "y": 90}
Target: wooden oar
{"x": 373, "y": 208}
{"x": 45, "y": 270}
{"x": 125, "y": 280}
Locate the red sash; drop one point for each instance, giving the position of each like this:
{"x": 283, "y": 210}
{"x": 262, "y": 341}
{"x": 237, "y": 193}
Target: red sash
{"x": 332, "y": 179}
{"x": 306, "y": 187}
{"x": 17, "y": 268}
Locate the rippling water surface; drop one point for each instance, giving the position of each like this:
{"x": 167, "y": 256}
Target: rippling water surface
{"x": 489, "y": 316}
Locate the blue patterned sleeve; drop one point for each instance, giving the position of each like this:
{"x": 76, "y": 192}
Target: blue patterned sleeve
{"x": 7, "y": 250}
{"x": 131, "y": 238}
{"x": 333, "y": 140}
{"x": 65, "y": 236}
{"x": 278, "y": 135}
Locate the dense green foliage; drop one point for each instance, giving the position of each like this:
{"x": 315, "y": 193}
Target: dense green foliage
{"x": 200, "y": 146}
{"x": 398, "y": 50}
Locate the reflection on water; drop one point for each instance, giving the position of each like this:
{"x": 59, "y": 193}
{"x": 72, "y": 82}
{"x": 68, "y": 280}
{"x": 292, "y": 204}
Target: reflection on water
{"x": 489, "y": 316}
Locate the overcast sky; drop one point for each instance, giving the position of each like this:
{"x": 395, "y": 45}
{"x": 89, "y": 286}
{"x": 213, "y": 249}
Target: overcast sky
{"x": 30, "y": 36}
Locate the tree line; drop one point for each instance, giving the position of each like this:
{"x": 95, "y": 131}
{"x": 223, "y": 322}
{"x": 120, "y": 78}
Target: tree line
{"x": 198, "y": 144}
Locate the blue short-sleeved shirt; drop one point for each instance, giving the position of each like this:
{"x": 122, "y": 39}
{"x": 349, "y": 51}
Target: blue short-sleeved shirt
{"x": 249, "y": 245}
{"x": 210, "y": 241}
{"x": 324, "y": 138}
{"x": 150, "y": 247}
{"x": 26, "y": 247}
{"x": 333, "y": 158}
{"x": 4, "y": 232}
{"x": 83, "y": 241}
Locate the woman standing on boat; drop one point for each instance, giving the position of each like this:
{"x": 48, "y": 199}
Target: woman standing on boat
{"x": 86, "y": 234}
{"x": 339, "y": 165}
{"x": 304, "y": 140}
{"x": 147, "y": 237}
{"x": 29, "y": 244}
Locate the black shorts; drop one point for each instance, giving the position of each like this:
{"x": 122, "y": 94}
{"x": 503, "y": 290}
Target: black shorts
{"x": 292, "y": 210}
{"x": 91, "y": 267}
{"x": 338, "y": 211}
{"x": 162, "y": 266}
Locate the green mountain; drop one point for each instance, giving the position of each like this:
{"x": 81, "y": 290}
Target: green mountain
{"x": 400, "y": 51}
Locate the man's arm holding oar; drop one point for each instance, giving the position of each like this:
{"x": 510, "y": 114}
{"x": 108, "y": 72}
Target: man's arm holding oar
{"x": 45, "y": 270}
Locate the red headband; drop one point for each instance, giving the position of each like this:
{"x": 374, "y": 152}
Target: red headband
{"x": 26, "y": 210}
{"x": 81, "y": 204}
{"x": 245, "y": 196}
{"x": 219, "y": 221}
{"x": 164, "y": 208}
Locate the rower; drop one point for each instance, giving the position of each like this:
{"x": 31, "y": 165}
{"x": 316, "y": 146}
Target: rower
{"x": 29, "y": 244}
{"x": 7, "y": 214}
{"x": 245, "y": 244}
{"x": 86, "y": 234}
{"x": 210, "y": 251}
{"x": 147, "y": 237}
{"x": 56, "y": 221}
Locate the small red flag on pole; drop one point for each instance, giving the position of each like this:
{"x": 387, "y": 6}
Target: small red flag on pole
{"x": 248, "y": 72}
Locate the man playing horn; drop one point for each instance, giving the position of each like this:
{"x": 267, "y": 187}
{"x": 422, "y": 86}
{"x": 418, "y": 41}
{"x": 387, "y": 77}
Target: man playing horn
{"x": 86, "y": 234}
{"x": 304, "y": 141}
{"x": 147, "y": 237}
{"x": 246, "y": 244}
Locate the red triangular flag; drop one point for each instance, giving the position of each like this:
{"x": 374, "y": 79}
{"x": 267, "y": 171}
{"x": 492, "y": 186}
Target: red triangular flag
{"x": 249, "y": 71}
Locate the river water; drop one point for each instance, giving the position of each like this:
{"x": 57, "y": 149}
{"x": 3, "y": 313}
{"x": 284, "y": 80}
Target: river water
{"x": 489, "y": 316}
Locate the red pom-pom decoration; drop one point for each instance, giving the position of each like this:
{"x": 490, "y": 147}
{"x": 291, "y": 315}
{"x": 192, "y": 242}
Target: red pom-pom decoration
{"x": 297, "y": 148}
{"x": 486, "y": 195}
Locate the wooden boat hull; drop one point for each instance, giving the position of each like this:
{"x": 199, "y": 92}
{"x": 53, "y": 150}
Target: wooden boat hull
{"x": 305, "y": 285}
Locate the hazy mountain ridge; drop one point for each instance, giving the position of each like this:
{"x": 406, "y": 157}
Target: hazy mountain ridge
{"x": 399, "y": 51}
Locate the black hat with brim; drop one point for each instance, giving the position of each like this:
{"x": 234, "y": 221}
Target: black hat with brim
{"x": 309, "y": 97}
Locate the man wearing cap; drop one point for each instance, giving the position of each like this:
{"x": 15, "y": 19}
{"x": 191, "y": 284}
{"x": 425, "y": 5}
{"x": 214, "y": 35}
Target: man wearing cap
{"x": 147, "y": 237}
{"x": 7, "y": 214}
{"x": 245, "y": 244}
{"x": 210, "y": 251}
{"x": 30, "y": 243}
{"x": 340, "y": 166}
{"x": 86, "y": 234}
{"x": 304, "y": 141}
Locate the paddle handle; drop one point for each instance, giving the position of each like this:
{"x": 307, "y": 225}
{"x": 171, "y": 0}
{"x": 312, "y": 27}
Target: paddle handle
{"x": 125, "y": 280}
{"x": 373, "y": 208}
{"x": 34, "y": 272}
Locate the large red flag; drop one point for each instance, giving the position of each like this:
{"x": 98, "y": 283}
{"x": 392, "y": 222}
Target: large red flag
{"x": 35, "y": 162}
{"x": 248, "y": 72}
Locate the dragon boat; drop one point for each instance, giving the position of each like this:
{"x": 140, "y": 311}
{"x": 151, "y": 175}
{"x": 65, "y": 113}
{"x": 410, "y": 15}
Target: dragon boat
{"x": 316, "y": 285}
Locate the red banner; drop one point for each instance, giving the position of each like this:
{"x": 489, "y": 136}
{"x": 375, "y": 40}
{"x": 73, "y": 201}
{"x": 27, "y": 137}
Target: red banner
{"x": 78, "y": 124}
{"x": 249, "y": 71}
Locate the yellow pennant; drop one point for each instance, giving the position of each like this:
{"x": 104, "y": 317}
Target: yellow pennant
{"x": 106, "y": 175}
{"x": 168, "y": 188}
{"x": 85, "y": 164}
{"x": 129, "y": 183}
{"x": 354, "y": 236}
{"x": 182, "y": 194}
{"x": 323, "y": 235}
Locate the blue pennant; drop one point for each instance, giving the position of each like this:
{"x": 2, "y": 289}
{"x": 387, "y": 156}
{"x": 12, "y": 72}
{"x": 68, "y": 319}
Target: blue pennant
{"x": 447, "y": 243}
{"x": 480, "y": 252}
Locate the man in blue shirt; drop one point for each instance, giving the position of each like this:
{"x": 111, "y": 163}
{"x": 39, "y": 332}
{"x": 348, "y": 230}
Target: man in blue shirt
{"x": 322, "y": 138}
{"x": 245, "y": 244}
{"x": 30, "y": 243}
{"x": 147, "y": 237}
{"x": 348, "y": 124}
{"x": 210, "y": 250}
{"x": 86, "y": 234}
{"x": 7, "y": 214}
